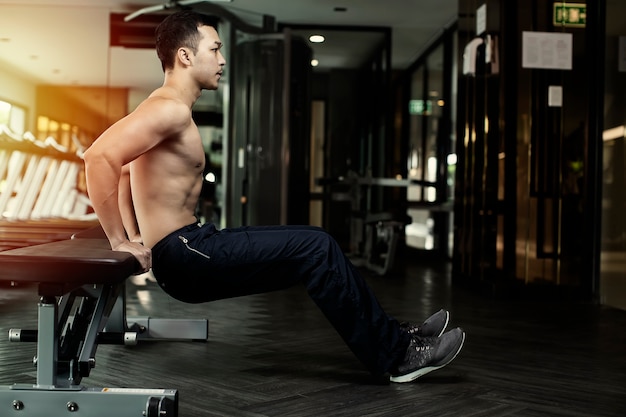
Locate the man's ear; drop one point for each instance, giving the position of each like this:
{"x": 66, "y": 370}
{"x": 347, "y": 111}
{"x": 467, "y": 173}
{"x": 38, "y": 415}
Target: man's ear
{"x": 184, "y": 56}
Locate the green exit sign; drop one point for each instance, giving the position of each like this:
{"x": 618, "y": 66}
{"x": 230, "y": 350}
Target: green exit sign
{"x": 420, "y": 107}
{"x": 570, "y": 14}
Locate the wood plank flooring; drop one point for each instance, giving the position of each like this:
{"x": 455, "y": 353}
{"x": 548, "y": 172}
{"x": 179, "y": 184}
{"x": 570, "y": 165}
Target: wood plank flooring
{"x": 275, "y": 354}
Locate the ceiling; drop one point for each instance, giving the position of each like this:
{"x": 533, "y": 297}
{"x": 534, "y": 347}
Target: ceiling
{"x": 66, "y": 42}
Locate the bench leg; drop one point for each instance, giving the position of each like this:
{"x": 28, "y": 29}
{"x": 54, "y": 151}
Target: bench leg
{"x": 47, "y": 344}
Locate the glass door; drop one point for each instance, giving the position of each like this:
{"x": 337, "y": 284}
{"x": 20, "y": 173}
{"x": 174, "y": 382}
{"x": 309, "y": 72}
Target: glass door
{"x": 613, "y": 255}
{"x": 431, "y": 158}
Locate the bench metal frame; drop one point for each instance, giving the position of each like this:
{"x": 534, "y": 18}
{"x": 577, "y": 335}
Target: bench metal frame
{"x": 81, "y": 284}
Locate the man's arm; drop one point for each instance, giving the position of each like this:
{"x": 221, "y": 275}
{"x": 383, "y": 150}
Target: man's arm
{"x": 153, "y": 121}
{"x": 127, "y": 209}
{"x": 103, "y": 169}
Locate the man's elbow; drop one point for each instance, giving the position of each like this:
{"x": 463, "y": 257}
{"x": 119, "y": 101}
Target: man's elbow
{"x": 96, "y": 155}
{"x": 88, "y": 156}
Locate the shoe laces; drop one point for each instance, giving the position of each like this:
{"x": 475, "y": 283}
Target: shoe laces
{"x": 410, "y": 328}
{"x": 420, "y": 350}
{"x": 422, "y": 344}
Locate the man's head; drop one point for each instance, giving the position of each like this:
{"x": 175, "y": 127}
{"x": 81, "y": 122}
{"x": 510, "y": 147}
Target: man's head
{"x": 180, "y": 30}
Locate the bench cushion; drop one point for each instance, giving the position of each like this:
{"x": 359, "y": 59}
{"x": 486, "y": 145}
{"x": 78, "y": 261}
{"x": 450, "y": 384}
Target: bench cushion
{"x": 67, "y": 264}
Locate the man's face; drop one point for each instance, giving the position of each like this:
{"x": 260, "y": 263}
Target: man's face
{"x": 209, "y": 61}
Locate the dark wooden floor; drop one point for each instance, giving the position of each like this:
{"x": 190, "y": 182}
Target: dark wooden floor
{"x": 275, "y": 355}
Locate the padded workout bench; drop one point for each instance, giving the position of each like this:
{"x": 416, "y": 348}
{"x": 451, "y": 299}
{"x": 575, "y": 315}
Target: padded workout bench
{"x": 81, "y": 285}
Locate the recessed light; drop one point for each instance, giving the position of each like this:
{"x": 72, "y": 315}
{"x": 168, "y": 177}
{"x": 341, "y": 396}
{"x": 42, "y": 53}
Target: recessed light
{"x": 314, "y": 62}
{"x": 316, "y": 38}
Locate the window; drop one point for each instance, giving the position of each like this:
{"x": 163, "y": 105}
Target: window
{"x": 13, "y": 116}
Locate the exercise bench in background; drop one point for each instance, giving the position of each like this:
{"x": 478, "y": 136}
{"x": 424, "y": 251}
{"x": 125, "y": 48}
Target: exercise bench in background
{"x": 81, "y": 288}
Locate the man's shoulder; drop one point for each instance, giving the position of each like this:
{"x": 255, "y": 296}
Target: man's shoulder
{"x": 165, "y": 101}
{"x": 164, "y": 108}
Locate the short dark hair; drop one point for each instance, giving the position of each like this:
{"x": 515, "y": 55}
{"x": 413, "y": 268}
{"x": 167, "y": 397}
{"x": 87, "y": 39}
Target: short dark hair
{"x": 180, "y": 29}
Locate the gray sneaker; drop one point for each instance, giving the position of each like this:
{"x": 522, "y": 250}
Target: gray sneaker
{"x": 432, "y": 326}
{"x": 427, "y": 354}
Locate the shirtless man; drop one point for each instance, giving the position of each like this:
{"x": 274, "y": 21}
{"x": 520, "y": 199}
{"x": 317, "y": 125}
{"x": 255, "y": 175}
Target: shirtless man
{"x": 144, "y": 176}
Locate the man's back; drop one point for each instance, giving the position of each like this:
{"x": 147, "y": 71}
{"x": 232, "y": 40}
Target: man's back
{"x": 166, "y": 180}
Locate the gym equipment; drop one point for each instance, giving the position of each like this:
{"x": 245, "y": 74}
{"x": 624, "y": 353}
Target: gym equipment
{"x": 39, "y": 179}
{"x": 373, "y": 236}
{"x": 82, "y": 304}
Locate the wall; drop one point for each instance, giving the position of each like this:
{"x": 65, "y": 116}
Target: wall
{"x": 526, "y": 191}
{"x": 93, "y": 109}
{"x": 613, "y": 258}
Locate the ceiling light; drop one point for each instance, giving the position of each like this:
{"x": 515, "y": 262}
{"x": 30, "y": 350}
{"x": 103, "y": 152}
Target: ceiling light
{"x": 314, "y": 62}
{"x": 210, "y": 177}
{"x": 316, "y": 38}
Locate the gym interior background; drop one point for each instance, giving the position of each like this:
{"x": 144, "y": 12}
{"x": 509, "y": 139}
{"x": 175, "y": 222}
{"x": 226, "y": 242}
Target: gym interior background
{"x": 488, "y": 160}
{"x": 499, "y": 148}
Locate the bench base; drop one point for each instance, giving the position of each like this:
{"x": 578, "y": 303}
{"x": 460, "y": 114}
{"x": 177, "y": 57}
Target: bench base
{"x": 169, "y": 329}
{"x": 34, "y": 401}
{"x": 148, "y": 328}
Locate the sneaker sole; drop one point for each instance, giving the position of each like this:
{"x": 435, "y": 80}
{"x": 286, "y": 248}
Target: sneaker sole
{"x": 443, "y": 329}
{"x": 428, "y": 369}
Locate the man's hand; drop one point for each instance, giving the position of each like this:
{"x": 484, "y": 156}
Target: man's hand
{"x": 140, "y": 252}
